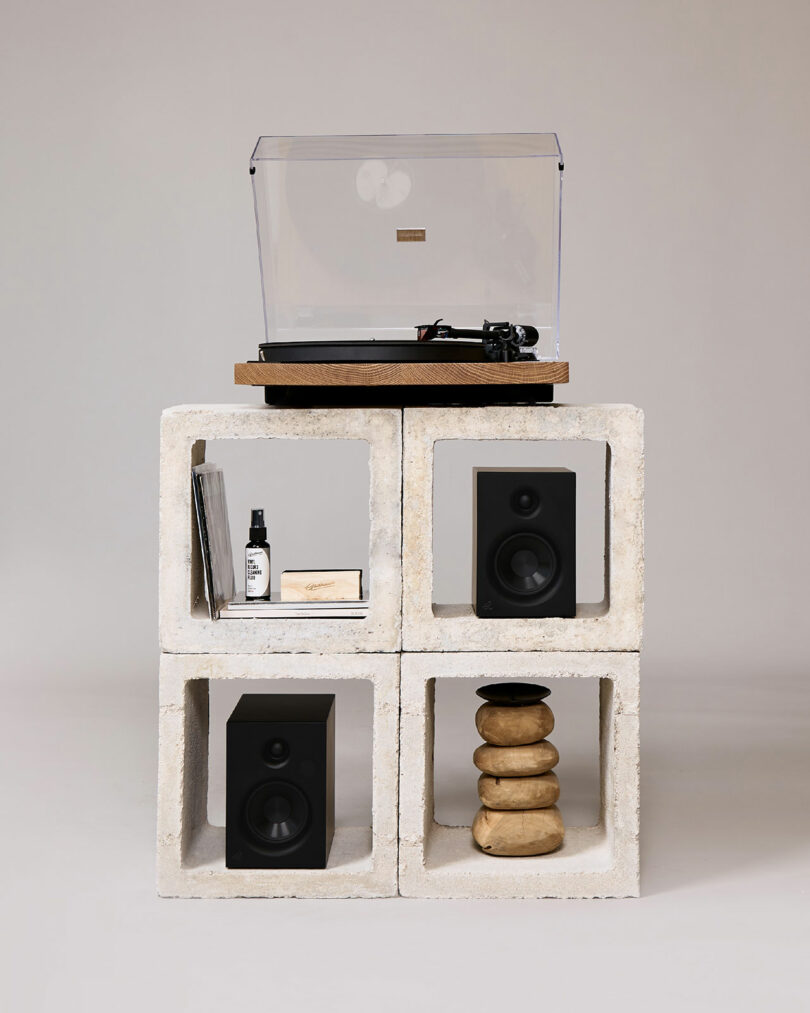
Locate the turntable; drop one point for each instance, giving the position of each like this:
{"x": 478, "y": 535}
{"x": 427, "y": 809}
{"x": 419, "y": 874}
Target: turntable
{"x": 359, "y": 237}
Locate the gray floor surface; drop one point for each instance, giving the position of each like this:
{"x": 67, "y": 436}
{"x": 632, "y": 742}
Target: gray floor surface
{"x": 723, "y": 924}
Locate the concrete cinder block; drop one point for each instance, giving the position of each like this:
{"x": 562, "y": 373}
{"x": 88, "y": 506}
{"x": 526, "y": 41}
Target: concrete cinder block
{"x": 613, "y": 625}
{"x": 191, "y": 852}
{"x": 185, "y": 627}
{"x": 600, "y": 861}
{"x": 434, "y": 860}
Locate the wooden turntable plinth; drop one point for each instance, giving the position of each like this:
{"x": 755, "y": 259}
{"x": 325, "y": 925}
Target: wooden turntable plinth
{"x": 398, "y": 374}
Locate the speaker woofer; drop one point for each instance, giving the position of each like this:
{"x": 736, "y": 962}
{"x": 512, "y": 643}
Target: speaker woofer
{"x": 276, "y": 813}
{"x": 525, "y": 564}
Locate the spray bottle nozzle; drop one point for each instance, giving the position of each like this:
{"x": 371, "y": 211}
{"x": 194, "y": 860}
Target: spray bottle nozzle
{"x": 258, "y": 532}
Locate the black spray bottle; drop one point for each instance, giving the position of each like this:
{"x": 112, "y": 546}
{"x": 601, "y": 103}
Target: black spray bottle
{"x": 257, "y": 560}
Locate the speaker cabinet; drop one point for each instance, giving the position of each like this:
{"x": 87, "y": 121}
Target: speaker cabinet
{"x": 280, "y": 781}
{"x": 524, "y": 542}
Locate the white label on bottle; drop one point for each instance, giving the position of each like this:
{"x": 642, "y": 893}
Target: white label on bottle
{"x": 257, "y": 573}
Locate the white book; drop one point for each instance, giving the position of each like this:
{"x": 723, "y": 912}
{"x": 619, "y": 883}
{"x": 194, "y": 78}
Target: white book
{"x": 271, "y": 611}
{"x": 240, "y": 603}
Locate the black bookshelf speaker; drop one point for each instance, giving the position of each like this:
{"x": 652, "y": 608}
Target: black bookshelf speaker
{"x": 280, "y": 781}
{"x": 524, "y": 542}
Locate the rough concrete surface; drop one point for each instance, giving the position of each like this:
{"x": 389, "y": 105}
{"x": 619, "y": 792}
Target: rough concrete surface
{"x": 616, "y": 624}
{"x": 184, "y": 626}
{"x": 191, "y": 852}
{"x": 433, "y": 860}
{"x": 599, "y": 861}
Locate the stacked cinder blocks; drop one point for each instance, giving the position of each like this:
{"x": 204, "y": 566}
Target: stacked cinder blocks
{"x": 195, "y": 650}
{"x": 601, "y": 644}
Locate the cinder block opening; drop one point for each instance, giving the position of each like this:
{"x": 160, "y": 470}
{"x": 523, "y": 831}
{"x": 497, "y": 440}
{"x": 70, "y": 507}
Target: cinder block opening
{"x": 354, "y": 715}
{"x": 575, "y": 703}
{"x": 315, "y": 495}
{"x": 453, "y": 465}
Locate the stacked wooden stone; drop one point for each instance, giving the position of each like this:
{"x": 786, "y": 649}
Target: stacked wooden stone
{"x": 518, "y": 787}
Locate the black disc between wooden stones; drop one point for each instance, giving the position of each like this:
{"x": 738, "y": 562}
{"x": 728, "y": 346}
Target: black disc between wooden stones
{"x": 513, "y": 694}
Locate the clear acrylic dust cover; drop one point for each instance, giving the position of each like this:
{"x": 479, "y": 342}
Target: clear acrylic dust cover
{"x": 368, "y": 237}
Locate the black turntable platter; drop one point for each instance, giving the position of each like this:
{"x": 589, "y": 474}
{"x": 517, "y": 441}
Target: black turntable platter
{"x": 372, "y": 351}
{"x": 356, "y": 373}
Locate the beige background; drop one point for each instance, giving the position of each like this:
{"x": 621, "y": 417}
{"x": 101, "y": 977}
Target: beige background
{"x": 130, "y": 282}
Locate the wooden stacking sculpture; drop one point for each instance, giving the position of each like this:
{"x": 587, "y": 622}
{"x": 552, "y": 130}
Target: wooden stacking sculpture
{"x": 518, "y": 787}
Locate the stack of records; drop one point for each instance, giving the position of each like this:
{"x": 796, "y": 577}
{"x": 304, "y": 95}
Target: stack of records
{"x": 241, "y": 608}
{"x": 208, "y": 487}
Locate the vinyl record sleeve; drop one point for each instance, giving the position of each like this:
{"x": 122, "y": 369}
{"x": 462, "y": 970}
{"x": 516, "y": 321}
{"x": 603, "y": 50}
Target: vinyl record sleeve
{"x": 208, "y": 485}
